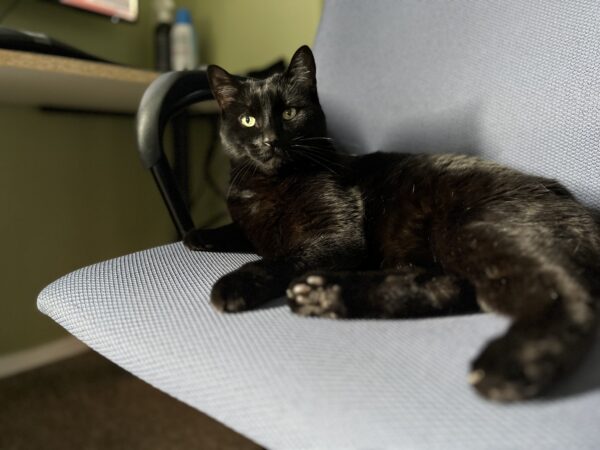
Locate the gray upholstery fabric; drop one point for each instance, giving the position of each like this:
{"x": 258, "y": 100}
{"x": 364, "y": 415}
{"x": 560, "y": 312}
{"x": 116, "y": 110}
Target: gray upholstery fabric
{"x": 513, "y": 80}
{"x": 289, "y": 382}
{"x": 516, "y": 81}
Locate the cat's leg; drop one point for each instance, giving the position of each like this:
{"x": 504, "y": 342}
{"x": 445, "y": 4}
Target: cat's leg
{"x": 251, "y": 285}
{"x": 547, "y": 338}
{"x": 547, "y": 286}
{"x": 228, "y": 238}
{"x": 267, "y": 279}
{"x": 260, "y": 281}
{"x": 402, "y": 293}
{"x": 532, "y": 355}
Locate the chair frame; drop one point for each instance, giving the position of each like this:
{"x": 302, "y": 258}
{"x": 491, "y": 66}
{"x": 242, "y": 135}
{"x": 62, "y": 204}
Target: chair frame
{"x": 167, "y": 96}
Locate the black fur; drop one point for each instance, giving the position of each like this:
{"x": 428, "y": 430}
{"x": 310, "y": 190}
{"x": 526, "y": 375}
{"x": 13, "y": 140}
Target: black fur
{"x": 400, "y": 235}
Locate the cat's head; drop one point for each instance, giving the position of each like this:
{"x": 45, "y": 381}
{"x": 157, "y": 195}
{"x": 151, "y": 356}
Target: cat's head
{"x": 269, "y": 122}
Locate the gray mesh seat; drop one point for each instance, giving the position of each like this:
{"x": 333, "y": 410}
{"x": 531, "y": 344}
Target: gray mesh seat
{"x": 514, "y": 81}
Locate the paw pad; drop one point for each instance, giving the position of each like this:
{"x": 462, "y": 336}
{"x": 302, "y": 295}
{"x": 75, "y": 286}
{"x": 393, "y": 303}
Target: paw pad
{"x": 314, "y": 296}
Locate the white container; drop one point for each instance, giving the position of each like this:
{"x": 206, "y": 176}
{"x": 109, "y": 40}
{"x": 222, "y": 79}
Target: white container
{"x": 183, "y": 42}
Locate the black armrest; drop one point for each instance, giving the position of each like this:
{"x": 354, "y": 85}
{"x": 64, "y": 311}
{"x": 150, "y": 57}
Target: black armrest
{"x": 164, "y": 98}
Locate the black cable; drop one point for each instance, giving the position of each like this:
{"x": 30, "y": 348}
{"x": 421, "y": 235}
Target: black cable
{"x": 180, "y": 127}
{"x": 209, "y": 157}
{"x": 208, "y": 175}
{"x": 8, "y": 10}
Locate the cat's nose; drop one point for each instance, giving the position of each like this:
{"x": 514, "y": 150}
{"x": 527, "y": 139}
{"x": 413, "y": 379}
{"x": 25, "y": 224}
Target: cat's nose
{"x": 269, "y": 140}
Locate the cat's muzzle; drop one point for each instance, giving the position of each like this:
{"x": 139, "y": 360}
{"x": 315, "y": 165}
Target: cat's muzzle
{"x": 266, "y": 153}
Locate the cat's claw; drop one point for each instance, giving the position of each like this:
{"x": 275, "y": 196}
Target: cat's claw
{"x": 312, "y": 295}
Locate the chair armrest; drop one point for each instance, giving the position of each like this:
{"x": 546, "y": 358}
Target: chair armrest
{"x": 163, "y": 99}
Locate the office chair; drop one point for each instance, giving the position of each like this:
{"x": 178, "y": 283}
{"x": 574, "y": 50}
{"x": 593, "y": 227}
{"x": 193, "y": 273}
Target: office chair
{"x": 514, "y": 81}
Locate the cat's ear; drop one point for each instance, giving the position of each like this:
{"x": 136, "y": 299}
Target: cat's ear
{"x": 302, "y": 68}
{"x": 223, "y": 85}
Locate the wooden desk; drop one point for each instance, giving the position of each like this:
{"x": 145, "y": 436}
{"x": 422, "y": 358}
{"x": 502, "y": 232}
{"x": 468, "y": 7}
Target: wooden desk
{"x": 57, "y": 82}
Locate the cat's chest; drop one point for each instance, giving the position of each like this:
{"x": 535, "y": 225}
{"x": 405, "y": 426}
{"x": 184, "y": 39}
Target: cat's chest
{"x": 265, "y": 216}
{"x": 261, "y": 207}
{"x": 282, "y": 217}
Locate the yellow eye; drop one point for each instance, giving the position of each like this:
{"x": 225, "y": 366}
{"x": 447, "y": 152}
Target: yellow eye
{"x": 247, "y": 121}
{"x": 289, "y": 113}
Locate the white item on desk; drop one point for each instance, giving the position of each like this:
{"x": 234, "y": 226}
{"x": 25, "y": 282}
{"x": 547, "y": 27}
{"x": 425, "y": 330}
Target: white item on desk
{"x": 183, "y": 42}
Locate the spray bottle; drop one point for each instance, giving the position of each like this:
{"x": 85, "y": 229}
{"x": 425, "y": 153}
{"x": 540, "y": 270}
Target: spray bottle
{"x": 183, "y": 42}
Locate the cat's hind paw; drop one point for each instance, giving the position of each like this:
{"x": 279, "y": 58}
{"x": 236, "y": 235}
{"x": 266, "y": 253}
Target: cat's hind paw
{"x": 312, "y": 295}
{"x": 510, "y": 370}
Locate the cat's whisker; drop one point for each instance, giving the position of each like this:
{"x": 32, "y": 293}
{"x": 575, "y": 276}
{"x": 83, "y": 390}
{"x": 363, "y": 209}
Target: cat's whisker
{"x": 320, "y": 162}
{"x": 315, "y": 146}
{"x": 316, "y": 152}
{"x": 309, "y": 155}
{"x": 231, "y": 184}
{"x": 326, "y": 160}
{"x": 254, "y": 171}
{"x": 319, "y": 153}
{"x": 239, "y": 174}
{"x": 313, "y": 138}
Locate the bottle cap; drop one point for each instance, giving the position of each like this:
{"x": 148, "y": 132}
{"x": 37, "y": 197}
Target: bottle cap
{"x": 183, "y": 16}
{"x": 164, "y": 10}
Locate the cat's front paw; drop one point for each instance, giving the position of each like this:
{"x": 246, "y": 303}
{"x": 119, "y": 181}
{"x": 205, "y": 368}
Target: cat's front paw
{"x": 196, "y": 242}
{"x": 232, "y": 293}
{"x": 312, "y": 295}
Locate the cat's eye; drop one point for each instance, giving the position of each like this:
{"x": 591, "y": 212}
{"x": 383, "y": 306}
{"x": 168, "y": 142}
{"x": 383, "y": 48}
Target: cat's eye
{"x": 289, "y": 113}
{"x": 247, "y": 120}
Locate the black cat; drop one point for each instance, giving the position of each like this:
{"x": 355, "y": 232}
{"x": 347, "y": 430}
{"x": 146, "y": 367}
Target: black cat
{"x": 400, "y": 235}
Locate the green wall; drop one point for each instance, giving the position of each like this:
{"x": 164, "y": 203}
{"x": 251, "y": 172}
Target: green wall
{"x": 72, "y": 190}
{"x": 241, "y": 34}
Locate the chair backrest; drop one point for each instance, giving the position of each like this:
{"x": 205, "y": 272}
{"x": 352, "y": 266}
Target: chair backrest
{"x": 516, "y": 81}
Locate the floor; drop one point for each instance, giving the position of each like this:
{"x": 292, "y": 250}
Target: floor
{"x": 88, "y": 403}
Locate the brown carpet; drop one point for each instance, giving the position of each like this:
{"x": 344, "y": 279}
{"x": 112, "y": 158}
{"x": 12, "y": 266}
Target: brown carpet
{"x": 88, "y": 403}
